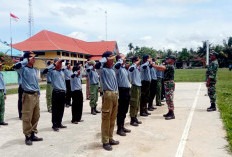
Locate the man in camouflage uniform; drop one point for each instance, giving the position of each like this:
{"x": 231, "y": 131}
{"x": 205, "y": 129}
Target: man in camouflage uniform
{"x": 211, "y": 75}
{"x": 169, "y": 85}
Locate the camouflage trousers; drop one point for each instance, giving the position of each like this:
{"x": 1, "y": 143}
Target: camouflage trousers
{"x": 212, "y": 92}
{"x": 169, "y": 93}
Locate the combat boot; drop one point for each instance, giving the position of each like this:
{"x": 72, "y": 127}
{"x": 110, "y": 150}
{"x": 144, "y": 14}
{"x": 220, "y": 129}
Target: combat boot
{"x": 125, "y": 130}
{"x": 107, "y": 146}
{"x": 171, "y": 116}
{"x": 150, "y": 108}
{"x": 147, "y": 113}
{"x": 166, "y": 115}
{"x": 133, "y": 122}
{"x": 93, "y": 111}
{"x": 212, "y": 107}
{"x": 28, "y": 141}
{"x": 137, "y": 121}
{"x": 35, "y": 138}
{"x": 95, "y": 108}
{"x": 143, "y": 114}
{"x": 120, "y": 131}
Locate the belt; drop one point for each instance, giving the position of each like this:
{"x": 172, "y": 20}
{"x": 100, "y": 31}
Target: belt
{"x": 57, "y": 90}
{"x": 109, "y": 91}
{"x": 49, "y": 82}
{"x": 135, "y": 85}
{"x": 30, "y": 92}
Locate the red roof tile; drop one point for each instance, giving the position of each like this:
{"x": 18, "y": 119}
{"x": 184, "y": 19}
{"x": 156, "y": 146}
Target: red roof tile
{"x": 48, "y": 41}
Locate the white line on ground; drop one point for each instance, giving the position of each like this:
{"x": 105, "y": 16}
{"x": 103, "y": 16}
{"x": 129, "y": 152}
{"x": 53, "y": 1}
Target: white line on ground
{"x": 184, "y": 137}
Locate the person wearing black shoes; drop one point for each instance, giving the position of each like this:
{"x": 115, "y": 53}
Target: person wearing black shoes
{"x": 135, "y": 90}
{"x": 67, "y": 74}
{"x": 169, "y": 85}
{"x": 159, "y": 87}
{"x": 30, "y": 106}
{"x": 145, "y": 89}
{"x": 93, "y": 86}
{"x": 153, "y": 87}
{"x": 124, "y": 93}
{"x": 77, "y": 95}
{"x": 58, "y": 93}
{"x": 211, "y": 75}
{"x": 109, "y": 99}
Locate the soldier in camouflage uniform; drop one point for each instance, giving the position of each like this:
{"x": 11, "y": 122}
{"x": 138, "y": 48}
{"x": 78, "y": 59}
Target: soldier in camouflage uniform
{"x": 169, "y": 85}
{"x": 211, "y": 75}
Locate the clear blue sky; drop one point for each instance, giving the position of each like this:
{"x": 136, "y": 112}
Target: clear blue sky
{"x": 160, "y": 24}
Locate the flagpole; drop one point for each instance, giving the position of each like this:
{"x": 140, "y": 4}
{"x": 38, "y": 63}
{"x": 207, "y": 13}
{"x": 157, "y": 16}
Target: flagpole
{"x": 10, "y": 38}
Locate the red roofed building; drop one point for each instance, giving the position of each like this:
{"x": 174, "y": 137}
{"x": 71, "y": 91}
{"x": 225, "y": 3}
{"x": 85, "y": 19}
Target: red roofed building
{"x": 48, "y": 44}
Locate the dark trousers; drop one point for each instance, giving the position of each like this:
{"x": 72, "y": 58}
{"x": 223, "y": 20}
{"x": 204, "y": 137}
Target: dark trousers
{"x": 58, "y": 102}
{"x": 123, "y": 105}
{"x": 153, "y": 88}
{"x": 77, "y": 105}
{"x": 162, "y": 90}
{"x": 68, "y": 92}
{"x": 20, "y": 94}
{"x": 145, "y": 93}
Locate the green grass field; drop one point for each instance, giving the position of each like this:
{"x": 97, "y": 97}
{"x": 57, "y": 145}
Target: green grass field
{"x": 223, "y": 89}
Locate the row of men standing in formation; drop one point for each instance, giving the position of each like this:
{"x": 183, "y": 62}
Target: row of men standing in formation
{"x": 114, "y": 78}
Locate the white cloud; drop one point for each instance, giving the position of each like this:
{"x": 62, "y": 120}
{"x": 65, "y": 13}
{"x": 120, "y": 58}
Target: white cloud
{"x": 79, "y": 35}
{"x": 146, "y": 38}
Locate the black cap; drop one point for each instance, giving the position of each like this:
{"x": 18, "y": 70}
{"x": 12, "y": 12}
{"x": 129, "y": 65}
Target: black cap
{"x": 135, "y": 58}
{"x": 28, "y": 54}
{"x": 75, "y": 68}
{"x": 49, "y": 62}
{"x": 118, "y": 57}
{"x": 153, "y": 59}
{"x": 67, "y": 63}
{"x": 145, "y": 57}
{"x": 107, "y": 54}
{"x": 171, "y": 57}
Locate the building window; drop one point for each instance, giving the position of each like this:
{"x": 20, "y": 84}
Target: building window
{"x": 58, "y": 53}
{"x": 63, "y": 53}
{"x": 67, "y": 54}
{"x": 40, "y": 53}
{"x": 81, "y": 56}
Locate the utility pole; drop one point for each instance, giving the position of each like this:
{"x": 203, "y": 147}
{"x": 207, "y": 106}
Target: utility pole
{"x": 106, "y": 24}
{"x": 30, "y": 19}
{"x": 207, "y": 52}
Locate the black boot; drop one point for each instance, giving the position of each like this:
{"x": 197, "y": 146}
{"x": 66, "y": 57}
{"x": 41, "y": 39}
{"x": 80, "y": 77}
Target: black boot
{"x": 143, "y": 114}
{"x": 166, "y": 115}
{"x": 107, "y": 146}
{"x": 120, "y": 131}
{"x": 212, "y": 107}
{"x": 171, "y": 116}
{"x": 95, "y": 108}
{"x": 93, "y": 111}
{"x": 137, "y": 121}
{"x": 147, "y": 112}
{"x": 28, "y": 141}
{"x": 35, "y": 138}
{"x": 125, "y": 130}
{"x": 150, "y": 108}
{"x": 133, "y": 122}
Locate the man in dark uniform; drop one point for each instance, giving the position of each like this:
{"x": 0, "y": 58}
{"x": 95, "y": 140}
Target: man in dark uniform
{"x": 67, "y": 73}
{"x": 31, "y": 92}
{"x": 58, "y": 93}
{"x": 124, "y": 93}
{"x": 20, "y": 93}
{"x": 169, "y": 85}
{"x": 145, "y": 89}
{"x": 211, "y": 75}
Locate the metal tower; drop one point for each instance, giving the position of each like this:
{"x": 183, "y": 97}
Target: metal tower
{"x": 30, "y": 19}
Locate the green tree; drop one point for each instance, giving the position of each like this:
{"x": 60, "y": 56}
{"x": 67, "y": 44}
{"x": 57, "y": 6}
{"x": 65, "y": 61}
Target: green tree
{"x": 146, "y": 50}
